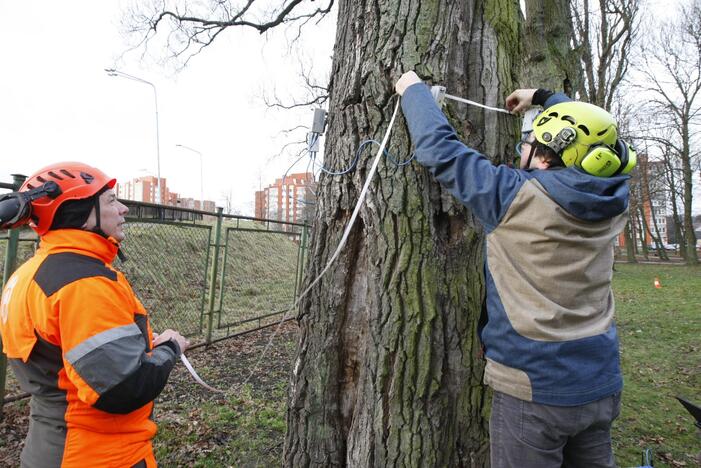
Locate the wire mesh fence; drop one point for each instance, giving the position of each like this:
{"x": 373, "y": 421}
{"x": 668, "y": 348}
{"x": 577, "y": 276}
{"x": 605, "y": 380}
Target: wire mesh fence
{"x": 171, "y": 254}
{"x": 259, "y": 273}
{"x": 167, "y": 268}
{"x": 206, "y": 275}
{"x": 26, "y": 246}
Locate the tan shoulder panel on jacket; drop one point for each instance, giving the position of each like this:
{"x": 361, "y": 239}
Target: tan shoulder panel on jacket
{"x": 552, "y": 270}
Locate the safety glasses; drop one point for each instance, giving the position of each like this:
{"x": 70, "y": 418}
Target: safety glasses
{"x": 519, "y": 145}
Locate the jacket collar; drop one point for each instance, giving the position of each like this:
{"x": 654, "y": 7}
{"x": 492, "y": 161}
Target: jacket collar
{"x": 79, "y": 241}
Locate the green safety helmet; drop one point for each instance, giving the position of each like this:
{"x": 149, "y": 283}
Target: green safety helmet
{"x": 585, "y": 136}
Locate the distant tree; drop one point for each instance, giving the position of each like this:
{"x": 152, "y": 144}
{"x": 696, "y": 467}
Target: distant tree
{"x": 605, "y": 34}
{"x": 673, "y": 179}
{"x": 671, "y": 67}
{"x": 227, "y": 196}
{"x": 651, "y": 192}
{"x": 584, "y": 49}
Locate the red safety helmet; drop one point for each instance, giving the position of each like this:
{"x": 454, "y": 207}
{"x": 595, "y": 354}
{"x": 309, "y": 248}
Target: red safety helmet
{"x": 76, "y": 180}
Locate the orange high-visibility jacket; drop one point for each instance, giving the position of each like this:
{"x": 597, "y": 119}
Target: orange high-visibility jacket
{"x": 79, "y": 341}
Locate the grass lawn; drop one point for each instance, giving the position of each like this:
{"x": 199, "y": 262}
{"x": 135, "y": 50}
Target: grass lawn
{"x": 660, "y": 332}
{"x": 660, "y": 351}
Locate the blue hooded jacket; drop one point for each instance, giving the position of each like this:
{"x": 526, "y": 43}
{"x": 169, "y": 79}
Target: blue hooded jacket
{"x": 550, "y": 335}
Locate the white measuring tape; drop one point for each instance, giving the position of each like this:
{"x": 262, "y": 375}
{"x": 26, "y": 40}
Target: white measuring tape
{"x": 193, "y": 373}
{"x": 439, "y": 94}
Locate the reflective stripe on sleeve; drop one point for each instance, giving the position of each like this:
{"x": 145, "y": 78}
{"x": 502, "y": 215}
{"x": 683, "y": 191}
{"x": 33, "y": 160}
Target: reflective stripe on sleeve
{"x": 106, "y": 359}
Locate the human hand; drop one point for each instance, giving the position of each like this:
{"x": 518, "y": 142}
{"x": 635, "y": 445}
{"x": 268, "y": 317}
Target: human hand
{"x": 168, "y": 335}
{"x": 520, "y": 100}
{"x": 407, "y": 79}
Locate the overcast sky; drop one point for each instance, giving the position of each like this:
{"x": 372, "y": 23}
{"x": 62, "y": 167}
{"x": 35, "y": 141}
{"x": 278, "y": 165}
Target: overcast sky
{"x": 59, "y": 104}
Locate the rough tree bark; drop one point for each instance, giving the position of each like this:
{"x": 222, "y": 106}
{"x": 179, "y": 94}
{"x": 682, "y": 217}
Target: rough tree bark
{"x": 547, "y": 58}
{"x": 388, "y": 371}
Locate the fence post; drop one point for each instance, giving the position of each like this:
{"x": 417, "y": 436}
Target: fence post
{"x": 213, "y": 274}
{"x": 222, "y": 277}
{"x": 10, "y": 265}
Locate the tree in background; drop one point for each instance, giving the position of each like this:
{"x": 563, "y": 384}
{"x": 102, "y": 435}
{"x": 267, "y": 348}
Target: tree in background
{"x": 672, "y": 180}
{"x": 671, "y": 66}
{"x": 605, "y": 34}
{"x": 584, "y": 49}
{"x": 654, "y": 193}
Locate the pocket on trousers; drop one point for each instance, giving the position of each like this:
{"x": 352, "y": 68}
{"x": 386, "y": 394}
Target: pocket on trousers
{"x": 539, "y": 426}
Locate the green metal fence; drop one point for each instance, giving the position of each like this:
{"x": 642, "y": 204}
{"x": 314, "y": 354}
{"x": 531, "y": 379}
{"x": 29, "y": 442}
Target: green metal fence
{"x": 10, "y": 247}
{"x": 167, "y": 268}
{"x": 173, "y": 254}
{"x": 258, "y": 275}
{"x": 207, "y": 275}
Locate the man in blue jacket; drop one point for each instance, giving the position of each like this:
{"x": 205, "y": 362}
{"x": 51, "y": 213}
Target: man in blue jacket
{"x": 550, "y": 339}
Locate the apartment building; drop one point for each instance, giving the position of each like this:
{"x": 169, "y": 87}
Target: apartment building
{"x": 144, "y": 189}
{"x": 291, "y": 199}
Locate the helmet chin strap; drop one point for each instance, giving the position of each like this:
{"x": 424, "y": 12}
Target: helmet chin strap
{"x": 531, "y": 153}
{"x": 98, "y": 229}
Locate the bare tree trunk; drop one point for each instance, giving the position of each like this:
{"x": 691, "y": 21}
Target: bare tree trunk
{"x": 647, "y": 195}
{"x": 679, "y": 233}
{"x": 643, "y": 230}
{"x": 657, "y": 237}
{"x": 671, "y": 181}
{"x": 630, "y": 243}
{"x": 388, "y": 370}
{"x": 690, "y": 256}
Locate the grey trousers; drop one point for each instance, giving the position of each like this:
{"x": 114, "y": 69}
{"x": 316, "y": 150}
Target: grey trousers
{"x": 530, "y": 435}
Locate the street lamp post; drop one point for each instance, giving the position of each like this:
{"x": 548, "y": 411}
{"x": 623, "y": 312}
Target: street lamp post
{"x": 121, "y": 74}
{"x": 201, "y": 178}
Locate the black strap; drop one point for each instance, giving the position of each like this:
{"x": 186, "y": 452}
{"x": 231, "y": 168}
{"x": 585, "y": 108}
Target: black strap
{"x": 530, "y": 154}
{"x": 540, "y": 96}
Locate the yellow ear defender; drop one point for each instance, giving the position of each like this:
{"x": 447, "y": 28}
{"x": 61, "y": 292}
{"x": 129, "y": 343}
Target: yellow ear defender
{"x": 603, "y": 161}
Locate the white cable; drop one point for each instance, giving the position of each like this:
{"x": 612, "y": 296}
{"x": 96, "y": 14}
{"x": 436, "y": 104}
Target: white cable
{"x": 193, "y": 373}
{"x": 477, "y": 104}
{"x": 363, "y": 192}
{"x": 341, "y": 244}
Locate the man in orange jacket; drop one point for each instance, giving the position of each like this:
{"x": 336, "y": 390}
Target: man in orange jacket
{"x": 77, "y": 337}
